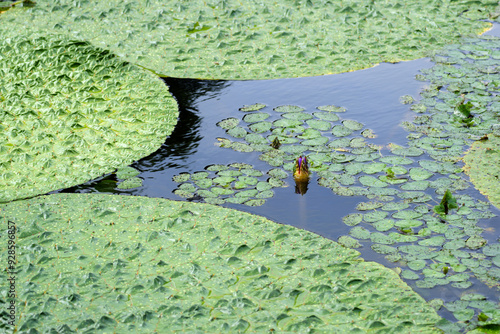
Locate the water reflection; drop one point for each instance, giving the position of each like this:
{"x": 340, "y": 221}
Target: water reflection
{"x": 184, "y": 140}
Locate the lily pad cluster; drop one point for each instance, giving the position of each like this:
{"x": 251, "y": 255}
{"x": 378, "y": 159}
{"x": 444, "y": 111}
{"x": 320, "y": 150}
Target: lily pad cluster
{"x": 234, "y": 183}
{"x": 71, "y": 112}
{"x": 228, "y": 39}
{"x": 457, "y": 108}
{"x": 107, "y": 263}
{"x": 290, "y": 131}
{"x": 129, "y": 179}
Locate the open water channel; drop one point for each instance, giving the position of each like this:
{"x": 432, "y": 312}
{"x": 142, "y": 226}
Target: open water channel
{"x": 371, "y": 96}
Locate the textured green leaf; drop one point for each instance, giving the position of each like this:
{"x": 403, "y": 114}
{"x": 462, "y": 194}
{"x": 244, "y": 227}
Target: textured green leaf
{"x": 228, "y": 123}
{"x": 371, "y": 181}
{"x": 260, "y": 127}
{"x": 341, "y": 131}
{"x": 255, "y": 117}
{"x": 253, "y": 107}
{"x": 332, "y": 108}
{"x": 208, "y": 35}
{"x": 80, "y": 97}
{"x": 148, "y": 248}
{"x": 352, "y": 219}
{"x": 319, "y": 124}
{"x": 133, "y": 182}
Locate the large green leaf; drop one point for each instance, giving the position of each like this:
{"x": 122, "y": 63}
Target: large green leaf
{"x": 121, "y": 263}
{"x": 71, "y": 112}
{"x": 482, "y": 163}
{"x": 228, "y": 39}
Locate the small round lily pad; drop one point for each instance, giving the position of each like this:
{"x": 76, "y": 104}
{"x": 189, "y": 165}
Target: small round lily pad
{"x": 253, "y": 107}
{"x": 326, "y": 116}
{"x": 331, "y": 108}
{"x": 228, "y": 123}
{"x": 288, "y": 108}
{"x": 352, "y": 125}
{"x": 255, "y": 117}
{"x": 260, "y": 127}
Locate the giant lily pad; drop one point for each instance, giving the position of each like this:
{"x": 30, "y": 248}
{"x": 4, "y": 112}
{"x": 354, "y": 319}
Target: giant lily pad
{"x": 212, "y": 39}
{"x": 150, "y": 265}
{"x": 481, "y": 164}
{"x": 69, "y": 117}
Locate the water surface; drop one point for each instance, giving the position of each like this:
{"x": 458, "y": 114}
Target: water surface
{"x": 371, "y": 96}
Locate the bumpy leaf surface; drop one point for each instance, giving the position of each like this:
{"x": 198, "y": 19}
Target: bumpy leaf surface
{"x": 254, "y": 39}
{"x": 108, "y": 263}
{"x": 70, "y": 112}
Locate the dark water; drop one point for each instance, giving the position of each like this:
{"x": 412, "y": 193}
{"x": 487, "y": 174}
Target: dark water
{"x": 370, "y": 96}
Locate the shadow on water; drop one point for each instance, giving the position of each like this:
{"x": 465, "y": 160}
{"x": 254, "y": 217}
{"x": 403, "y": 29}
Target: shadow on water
{"x": 184, "y": 140}
{"x": 371, "y": 96}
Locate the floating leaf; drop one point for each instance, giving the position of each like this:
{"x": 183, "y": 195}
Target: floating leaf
{"x": 384, "y": 225}
{"x": 364, "y": 206}
{"x": 126, "y": 172}
{"x": 278, "y": 173}
{"x": 368, "y": 133}
{"x": 288, "y": 108}
{"x": 393, "y": 160}
{"x": 326, "y": 116}
{"x": 253, "y": 107}
{"x": 360, "y": 232}
{"x": 341, "y": 131}
{"x": 419, "y": 174}
{"x": 332, "y": 108}
{"x": 319, "y": 125}
{"x": 481, "y": 163}
{"x": 228, "y": 123}
{"x": 383, "y": 249}
{"x": 352, "y": 219}
{"x": 407, "y": 151}
{"x": 260, "y": 127}
{"x": 183, "y": 177}
{"x": 255, "y": 117}
{"x": 198, "y": 176}
{"x": 277, "y": 183}
{"x": 183, "y": 193}
{"x": 435, "y": 241}
{"x": 373, "y": 168}
{"x": 68, "y": 120}
{"x": 216, "y": 168}
{"x": 203, "y": 183}
{"x": 130, "y": 183}
{"x": 230, "y": 172}
{"x": 299, "y": 116}
{"x": 253, "y": 138}
{"x": 255, "y": 202}
{"x": 417, "y": 185}
{"x": 406, "y": 99}
{"x": 252, "y": 181}
{"x": 352, "y": 125}
{"x": 223, "y": 180}
{"x": 374, "y": 216}
{"x": 348, "y": 242}
{"x": 339, "y": 143}
{"x": 315, "y": 142}
{"x": 265, "y": 194}
{"x": 237, "y": 132}
{"x": 286, "y": 123}
{"x": 371, "y": 181}
{"x": 221, "y": 191}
